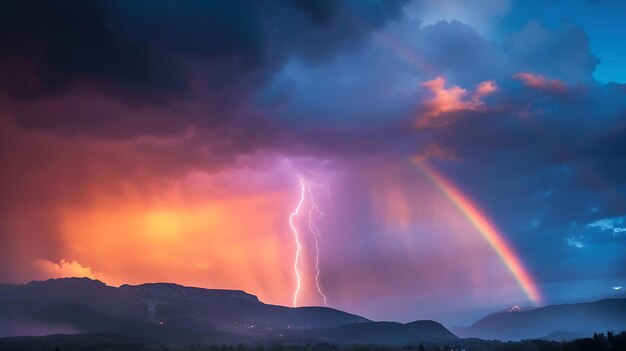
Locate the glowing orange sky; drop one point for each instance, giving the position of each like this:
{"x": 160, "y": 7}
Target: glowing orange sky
{"x": 232, "y": 242}
{"x": 229, "y": 228}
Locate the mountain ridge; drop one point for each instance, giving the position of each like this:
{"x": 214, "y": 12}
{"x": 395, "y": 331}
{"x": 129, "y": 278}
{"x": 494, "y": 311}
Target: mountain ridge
{"x": 177, "y": 313}
{"x": 583, "y": 318}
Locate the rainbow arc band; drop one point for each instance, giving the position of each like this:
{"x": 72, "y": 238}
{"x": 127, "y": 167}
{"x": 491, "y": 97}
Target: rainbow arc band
{"x": 486, "y": 228}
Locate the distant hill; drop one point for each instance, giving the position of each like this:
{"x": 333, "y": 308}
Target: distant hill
{"x": 174, "y": 313}
{"x": 569, "y": 320}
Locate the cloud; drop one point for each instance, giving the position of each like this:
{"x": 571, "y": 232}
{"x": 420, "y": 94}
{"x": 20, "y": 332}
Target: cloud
{"x": 485, "y": 88}
{"x": 574, "y": 242}
{"x": 455, "y": 50}
{"x": 451, "y": 99}
{"x": 435, "y": 151}
{"x": 537, "y": 81}
{"x": 615, "y": 225}
{"x": 449, "y": 57}
{"x": 157, "y": 55}
{"x": 562, "y": 52}
{"x": 481, "y": 14}
{"x": 45, "y": 269}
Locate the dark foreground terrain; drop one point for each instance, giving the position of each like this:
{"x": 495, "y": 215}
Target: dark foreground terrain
{"x": 110, "y": 342}
{"x": 85, "y": 314}
{"x": 166, "y": 313}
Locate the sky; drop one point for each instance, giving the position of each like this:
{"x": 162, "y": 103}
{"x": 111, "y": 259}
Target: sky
{"x": 401, "y": 160}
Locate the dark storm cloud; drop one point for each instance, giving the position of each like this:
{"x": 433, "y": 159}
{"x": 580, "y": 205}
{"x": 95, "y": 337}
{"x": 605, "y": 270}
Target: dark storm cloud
{"x": 123, "y": 69}
{"x": 546, "y": 103}
{"x": 562, "y": 52}
{"x": 164, "y": 54}
{"x": 550, "y": 107}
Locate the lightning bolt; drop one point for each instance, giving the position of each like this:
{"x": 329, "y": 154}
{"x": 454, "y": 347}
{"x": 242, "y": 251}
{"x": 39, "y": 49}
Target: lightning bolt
{"x": 330, "y": 199}
{"x": 315, "y": 231}
{"x": 298, "y": 257}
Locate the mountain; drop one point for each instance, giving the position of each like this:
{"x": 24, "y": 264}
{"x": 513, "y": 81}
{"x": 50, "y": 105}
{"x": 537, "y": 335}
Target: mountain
{"x": 175, "y": 313}
{"x": 581, "y": 319}
{"x": 83, "y": 305}
{"x": 516, "y": 308}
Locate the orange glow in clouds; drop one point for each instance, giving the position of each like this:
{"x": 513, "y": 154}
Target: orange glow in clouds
{"x": 233, "y": 241}
{"x": 539, "y": 82}
{"x": 452, "y": 99}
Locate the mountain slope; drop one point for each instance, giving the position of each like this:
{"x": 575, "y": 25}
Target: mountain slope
{"x": 579, "y": 319}
{"x": 172, "y": 313}
{"x": 160, "y": 309}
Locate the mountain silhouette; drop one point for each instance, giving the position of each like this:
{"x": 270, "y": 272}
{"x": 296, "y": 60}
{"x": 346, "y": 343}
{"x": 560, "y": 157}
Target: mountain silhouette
{"x": 550, "y": 322}
{"x": 174, "y": 313}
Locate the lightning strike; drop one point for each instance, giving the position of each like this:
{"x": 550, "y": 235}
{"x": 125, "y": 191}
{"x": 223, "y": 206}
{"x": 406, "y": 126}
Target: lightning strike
{"x": 330, "y": 199}
{"x": 298, "y": 257}
{"x": 315, "y": 231}
{"x": 304, "y": 189}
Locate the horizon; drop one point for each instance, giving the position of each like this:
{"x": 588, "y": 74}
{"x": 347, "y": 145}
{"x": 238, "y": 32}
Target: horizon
{"x": 399, "y": 160}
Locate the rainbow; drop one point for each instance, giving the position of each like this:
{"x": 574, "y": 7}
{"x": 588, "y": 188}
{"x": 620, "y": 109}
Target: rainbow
{"x": 487, "y": 229}
{"x": 473, "y": 213}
